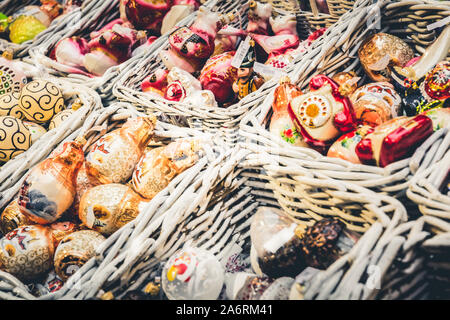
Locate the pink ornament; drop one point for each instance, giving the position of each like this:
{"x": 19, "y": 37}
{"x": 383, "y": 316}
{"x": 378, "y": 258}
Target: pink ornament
{"x": 145, "y": 14}
{"x": 258, "y": 17}
{"x": 71, "y": 51}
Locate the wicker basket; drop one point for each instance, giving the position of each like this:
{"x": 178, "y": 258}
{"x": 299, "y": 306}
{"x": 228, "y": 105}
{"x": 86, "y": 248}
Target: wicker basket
{"x": 424, "y": 188}
{"x": 390, "y": 261}
{"x": 185, "y": 196}
{"x": 337, "y": 54}
{"x": 222, "y": 121}
{"x": 58, "y": 26}
{"x": 12, "y": 171}
{"x": 8, "y": 7}
{"x": 93, "y": 20}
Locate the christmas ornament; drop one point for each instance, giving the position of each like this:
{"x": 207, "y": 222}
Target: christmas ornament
{"x": 193, "y": 274}
{"x": 15, "y": 138}
{"x": 61, "y": 229}
{"x": 376, "y": 103}
{"x": 59, "y": 118}
{"x": 40, "y": 100}
{"x": 326, "y": 241}
{"x": 175, "y": 15}
{"x": 9, "y": 105}
{"x": 190, "y": 46}
{"x": 51, "y": 284}
{"x": 258, "y": 17}
{"x": 347, "y": 81}
{"x": 440, "y": 117}
{"x": 36, "y": 130}
{"x": 49, "y": 189}
{"x": 74, "y": 251}
{"x": 323, "y": 114}
{"x": 180, "y": 84}
{"x": 111, "y": 46}
{"x": 380, "y": 52}
{"x": 344, "y": 147}
{"x": 71, "y": 51}
{"x": 145, "y": 14}
{"x": 27, "y": 252}
{"x": 156, "y": 82}
{"x": 281, "y": 124}
{"x": 114, "y": 156}
{"x": 12, "y": 218}
{"x": 248, "y": 81}
{"x": 12, "y": 78}
{"x": 218, "y": 77}
{"x": 108, "y": 207}
{"x": 159, "y": 166}
{"x": 394, "y": 140}
{"x": 25, "y": 28}
{"x": 276, "y": 244}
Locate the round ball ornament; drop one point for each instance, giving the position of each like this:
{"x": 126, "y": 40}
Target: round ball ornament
{"x": 15, "y": 138}
{"x": 35, "y": 129}
{"x": 59, "y": 118}
{"x": 27, "y": 252}
{"x": 193, "y": 274}
{"x": 75, "y": 250}
{"x": 12, "y": 218}
{"x": 9, "y": 105}
{"x": 12, "y": 78}
{"x": 40, "y": 100}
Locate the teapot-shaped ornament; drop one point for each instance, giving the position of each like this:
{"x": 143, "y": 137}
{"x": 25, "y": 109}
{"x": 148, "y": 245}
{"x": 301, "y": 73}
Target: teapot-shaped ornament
{"x": 323, "y": 114}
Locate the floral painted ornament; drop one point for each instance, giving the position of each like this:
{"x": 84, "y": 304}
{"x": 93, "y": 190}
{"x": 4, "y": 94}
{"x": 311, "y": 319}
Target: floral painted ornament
{"x": 344, "y": 147}
{"x": 281, "y": 123}
{"x": 193, "y": 274}
{"x": 27, "y": 252}
{"x": 322, "y": 114}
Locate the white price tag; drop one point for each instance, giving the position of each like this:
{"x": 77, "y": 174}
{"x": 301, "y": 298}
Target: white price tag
{"x": 268, "y": 71}
{"x": 239, "y": 56}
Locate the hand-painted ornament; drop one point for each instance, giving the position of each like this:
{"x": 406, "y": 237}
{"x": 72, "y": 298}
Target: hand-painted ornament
{"x": 12, "y": 78}
{"x": 276, "y": 244}
{"x": 189, "y": 47}
{"x": 49, "y": 189}
{"x": 61, "y": 229}
{"x": 326, "y": 241}
{"x": 347, "y": 81}
{"x": 429, "y": 92}
{"x": 36, "y": 131}
{"x": 27, "y": 252}
{"x": 380, "y": 52}
{"x": 111, "y": 46}
{"x": 258, "y": 17}
{"x": 175, "y": 15}
{"x": 51, "y": 284}
{"x": 74, "y": 251}
{"x": 376, "y": 103}
{"x": 71, "y": 51}
{"x": 114, "y": 156}
{"x": 193, "y": 274}
{"x": 15, "y": 138}
{"x": 247, "y": 80}
{"x": 440, "y": 117}
{"x": 344, "y": 147}
{"x": 180, "y": 84}
{"x": 159, "y": 166}
{"x": 218, "y": 76}
{"x": 156, "y": 82}
{"x": 246, "y": 286}
{"x": 25, "y": 28}
{"x": 40, "y": 100}
{"x": 12, "y": 218}
{"x": 108, "y": 207}
{"x": 9, "y": 105}
{"x": 145, "y": 14}
{"x": 59, "y": 118}
{"x": 281, "y": 124}
{"x": 323, "y": 114}
{"x": 394, "y": 140}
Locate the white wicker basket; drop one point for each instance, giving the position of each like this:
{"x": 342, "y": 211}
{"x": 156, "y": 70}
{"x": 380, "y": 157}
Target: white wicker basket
{"x": 224, "y": 121}
{"x": 338, "y": 54}
{"x": 58, "y": 26}
{"x": 185, "y": 196}
{"x": 92, "y": 20}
